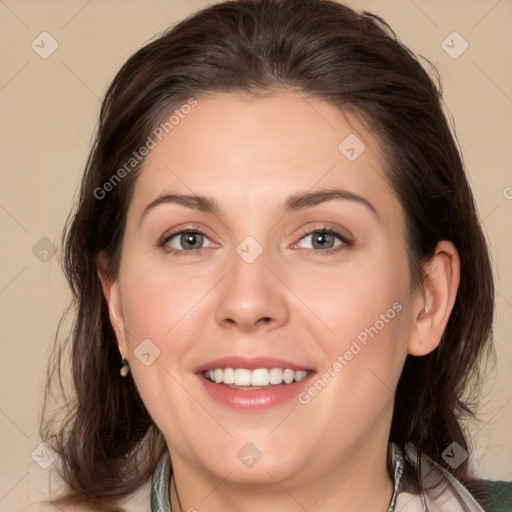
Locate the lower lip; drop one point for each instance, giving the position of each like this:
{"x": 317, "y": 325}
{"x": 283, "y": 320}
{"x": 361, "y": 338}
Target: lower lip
{"x": 253, "y": 399}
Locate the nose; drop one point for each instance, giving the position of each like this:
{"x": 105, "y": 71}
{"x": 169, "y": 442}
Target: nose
{"x": 252, "y": 297}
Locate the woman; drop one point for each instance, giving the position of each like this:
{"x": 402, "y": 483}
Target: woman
{"x": 274, "y": 262}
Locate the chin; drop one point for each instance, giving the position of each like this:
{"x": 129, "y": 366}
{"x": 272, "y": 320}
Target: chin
{"x": 260, "y": 461}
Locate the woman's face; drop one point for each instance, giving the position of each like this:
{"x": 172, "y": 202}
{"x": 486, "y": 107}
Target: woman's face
{"x": 258, "y": 286}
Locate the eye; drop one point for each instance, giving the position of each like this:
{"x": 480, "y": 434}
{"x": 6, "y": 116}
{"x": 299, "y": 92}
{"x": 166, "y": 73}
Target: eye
{"x": 324, "y": 239}
{"x": 184, "y": 241}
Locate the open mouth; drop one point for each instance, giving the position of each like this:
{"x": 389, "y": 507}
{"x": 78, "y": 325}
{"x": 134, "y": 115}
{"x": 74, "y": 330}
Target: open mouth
{"x": 252, "y": 384}
{"x": 259, "y": 378}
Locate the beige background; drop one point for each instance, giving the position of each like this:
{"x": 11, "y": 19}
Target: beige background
{"x": 49, "y": 109}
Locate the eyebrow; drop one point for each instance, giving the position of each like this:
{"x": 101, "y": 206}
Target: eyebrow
{"x": 309, "y": 199}
{"x": 194, "y": 202}
{"x": 299, "y": 201}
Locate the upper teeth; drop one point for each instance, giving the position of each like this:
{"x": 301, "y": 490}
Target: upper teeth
{"x": 258, "y": 377}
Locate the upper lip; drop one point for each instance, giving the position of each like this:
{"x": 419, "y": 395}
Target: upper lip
{"x": 251, "y": 363}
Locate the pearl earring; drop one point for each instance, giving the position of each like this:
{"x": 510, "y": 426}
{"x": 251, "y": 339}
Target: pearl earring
{"x": 125, "y": 369}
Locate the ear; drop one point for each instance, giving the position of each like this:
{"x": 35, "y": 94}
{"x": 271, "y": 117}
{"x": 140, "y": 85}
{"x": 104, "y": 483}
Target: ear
{"x": 112, "y": 294}
{"x": 434, "y": 302}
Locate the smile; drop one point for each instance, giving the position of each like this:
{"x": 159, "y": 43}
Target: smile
{"x": 251, "y": 384}
{"x": 254, "y": 379}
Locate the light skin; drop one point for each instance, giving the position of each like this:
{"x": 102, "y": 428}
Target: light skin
{"x": 249, "y": 155}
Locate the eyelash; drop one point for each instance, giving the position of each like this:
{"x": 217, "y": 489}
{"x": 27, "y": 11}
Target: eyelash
{"x": 329, "y": 230}
{"x": 345, "y": 241}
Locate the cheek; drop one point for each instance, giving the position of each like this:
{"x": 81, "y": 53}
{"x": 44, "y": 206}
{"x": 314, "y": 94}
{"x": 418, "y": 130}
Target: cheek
{"x": 158, "y": 301}
{"x": 362, "y": 361}
{"x": 360, "y": 299}
{"x": 364, "y": 308}
{"x": 160, "y": 313}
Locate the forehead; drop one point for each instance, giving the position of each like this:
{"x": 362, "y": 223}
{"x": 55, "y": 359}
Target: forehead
{"x": 256, "y": 150}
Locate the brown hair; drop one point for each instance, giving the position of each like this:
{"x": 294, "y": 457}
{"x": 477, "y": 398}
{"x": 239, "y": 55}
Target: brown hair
{"x": 108, "y": 442}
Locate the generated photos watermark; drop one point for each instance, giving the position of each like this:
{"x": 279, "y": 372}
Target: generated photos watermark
{"x": 138, "y": 156}
{"x": 356, "y": 347}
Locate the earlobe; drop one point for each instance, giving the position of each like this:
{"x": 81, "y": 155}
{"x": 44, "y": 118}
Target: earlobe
{"x": 434, "y": 303}
{"x": 112, "y": 296}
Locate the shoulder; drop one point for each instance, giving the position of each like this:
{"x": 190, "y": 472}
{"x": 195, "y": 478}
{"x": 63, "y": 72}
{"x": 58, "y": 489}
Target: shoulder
{"x": 441, "y": 488}
{"x": 493, "y": 496}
